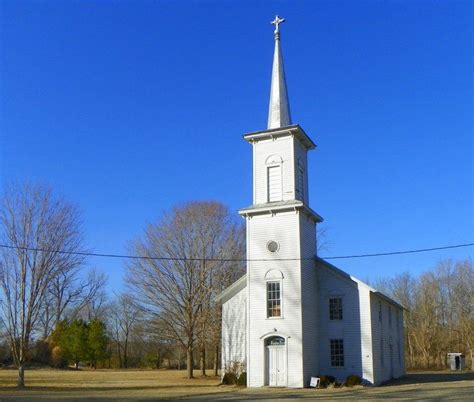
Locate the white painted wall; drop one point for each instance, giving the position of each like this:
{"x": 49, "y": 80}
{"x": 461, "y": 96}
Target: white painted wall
{"x": 283, "y": 228}
{"x": 310, "y": 299}
{"x": 234, "y": 323}
{"x": 385, "y": 336}
{"x": 348, "y": 329}
{"x": 301, "y": 154}
{"x": 283, "y": 147}
{"x": 367, "y": 356}
{"x": 306, "y": 326}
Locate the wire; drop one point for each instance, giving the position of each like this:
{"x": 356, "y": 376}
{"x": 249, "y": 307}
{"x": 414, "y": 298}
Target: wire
{"x": 140, "y": 257}
{"x": 421, "y": 250}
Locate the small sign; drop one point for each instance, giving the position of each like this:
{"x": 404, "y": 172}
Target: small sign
{"x": 314, "y": 382}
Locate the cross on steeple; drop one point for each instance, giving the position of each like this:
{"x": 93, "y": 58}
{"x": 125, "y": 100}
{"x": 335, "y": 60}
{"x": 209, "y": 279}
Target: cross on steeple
{"x": 277, "y": 21}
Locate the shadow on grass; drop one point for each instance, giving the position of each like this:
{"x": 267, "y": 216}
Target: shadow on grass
{"x": 462, "y": 392}
{"x": 432, "y": 377}
{"x": 104, "y": 389}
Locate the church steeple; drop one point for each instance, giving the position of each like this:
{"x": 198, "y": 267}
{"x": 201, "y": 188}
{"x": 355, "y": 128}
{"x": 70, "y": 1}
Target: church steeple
{"x": 279, "y": 108}
{"x": 280, "y": 163}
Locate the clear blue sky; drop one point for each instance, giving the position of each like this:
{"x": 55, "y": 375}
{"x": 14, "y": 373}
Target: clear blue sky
{"x": 130, "y": 107}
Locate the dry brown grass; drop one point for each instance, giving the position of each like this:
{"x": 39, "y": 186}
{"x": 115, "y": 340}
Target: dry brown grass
{"x": 49, "y": 384}
{"x": 127, "y": 385}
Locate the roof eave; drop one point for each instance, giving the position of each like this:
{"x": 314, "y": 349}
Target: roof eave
{"x": 271, "y": 209}
{"x": 294, "y": 129}
{"x": 353, "y": 278}
{"x": 236, "y": 287}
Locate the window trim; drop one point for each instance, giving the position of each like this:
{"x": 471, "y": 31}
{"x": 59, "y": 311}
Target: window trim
{"x": 332, "y": 297}
{"x": 331, "y": 354}
{"x": 280, "y": 282}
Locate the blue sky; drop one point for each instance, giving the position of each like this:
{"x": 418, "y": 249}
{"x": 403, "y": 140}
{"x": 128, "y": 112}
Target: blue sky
{"x": 129, "y": 108}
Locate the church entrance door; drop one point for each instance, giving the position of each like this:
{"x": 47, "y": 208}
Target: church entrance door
{"x": 276, "y": 361}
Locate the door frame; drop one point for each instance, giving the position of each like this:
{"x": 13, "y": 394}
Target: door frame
{"x": 266, "y": 366}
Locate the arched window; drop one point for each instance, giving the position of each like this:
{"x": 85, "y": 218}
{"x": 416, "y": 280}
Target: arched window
{"x": 273, "y": 274}
{"x": 274, "y": 181}
{"x": 275, "y": 341}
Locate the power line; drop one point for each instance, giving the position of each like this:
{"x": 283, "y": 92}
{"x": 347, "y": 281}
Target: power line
{"x": 141, "y": 257}
{"x": 421, "y": 250}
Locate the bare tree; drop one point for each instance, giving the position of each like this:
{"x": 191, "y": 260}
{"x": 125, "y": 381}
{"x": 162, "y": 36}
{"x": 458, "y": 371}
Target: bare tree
{"x": 440, "y": 316}
{"x": 68, "y": 294}
{"x": 95, "y": 308}
{"x": 463, "y": 306}
{"x": 124, "y": 318}
{"x": 323, "y": 243}
{"x": 174, "y": 292}
{"x": 210, "y": 318}
{"x": 36, "y": 225}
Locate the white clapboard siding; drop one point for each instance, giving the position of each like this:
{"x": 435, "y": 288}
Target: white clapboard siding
{"x": 281, "y": 148}
{"x": 388, "y": 340}
{"x": 274, "y": 183}
{"x": 234, "y": 321}
{"x": 283, "y": 228}
{"x": 310, "y": 302}
{"x": 280, "y": 173}
{"x": 300, "y": 184}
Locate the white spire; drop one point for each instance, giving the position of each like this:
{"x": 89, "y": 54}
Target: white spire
{"x": 279, "y": 109}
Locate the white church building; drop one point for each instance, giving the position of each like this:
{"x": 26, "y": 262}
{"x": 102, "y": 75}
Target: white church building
{"x": 293, "y": 315}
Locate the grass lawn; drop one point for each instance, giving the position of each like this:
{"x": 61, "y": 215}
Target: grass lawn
{"x": 126, "y": 385}
{"x": 47, "y": 384}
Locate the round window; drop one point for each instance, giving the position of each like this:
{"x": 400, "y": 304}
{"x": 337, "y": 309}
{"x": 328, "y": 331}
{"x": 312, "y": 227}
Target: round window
{"x": 272, "y": 246}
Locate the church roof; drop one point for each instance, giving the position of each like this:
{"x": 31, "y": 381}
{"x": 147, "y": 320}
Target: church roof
{"x": 241, "y": 283}
{"x": 345, "y": 275}
{"x": 233, "y": 289}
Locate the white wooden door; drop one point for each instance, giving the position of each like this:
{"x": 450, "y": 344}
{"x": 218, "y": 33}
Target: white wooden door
{"x": 276, "y": 366}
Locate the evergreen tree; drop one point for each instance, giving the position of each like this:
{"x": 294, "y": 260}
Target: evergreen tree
{"x": 97, "y": 342}
{"x": 74, "y": 341}
{"x": 57, "y": 336}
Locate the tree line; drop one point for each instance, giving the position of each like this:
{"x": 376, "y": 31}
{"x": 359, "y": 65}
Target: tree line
{"x": 440, "y": 312}
{"x": 50, "y": 307}
{"x": 56, "y": 311}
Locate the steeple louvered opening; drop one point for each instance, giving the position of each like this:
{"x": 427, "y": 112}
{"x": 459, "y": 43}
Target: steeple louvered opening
{"x": 274, "y": 183}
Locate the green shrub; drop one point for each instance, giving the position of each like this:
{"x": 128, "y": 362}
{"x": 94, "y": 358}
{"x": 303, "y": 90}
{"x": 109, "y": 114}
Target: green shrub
{"x": 229, "y": 379}
{"x": 242, "y": 381}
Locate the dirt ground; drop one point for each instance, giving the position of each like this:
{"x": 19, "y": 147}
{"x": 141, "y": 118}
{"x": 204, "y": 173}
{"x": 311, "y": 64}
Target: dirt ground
{"x": 148, "y": 385}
